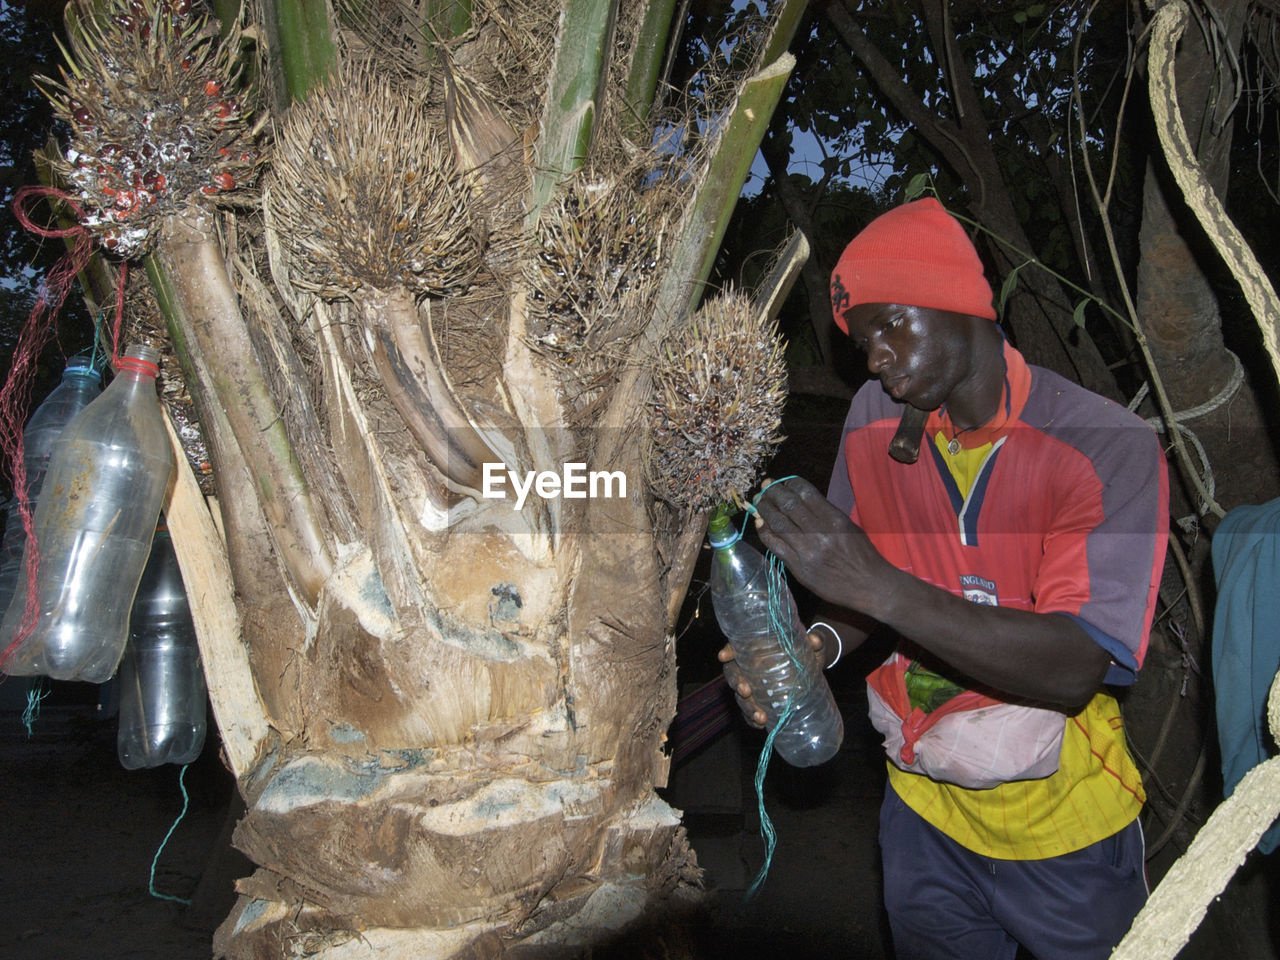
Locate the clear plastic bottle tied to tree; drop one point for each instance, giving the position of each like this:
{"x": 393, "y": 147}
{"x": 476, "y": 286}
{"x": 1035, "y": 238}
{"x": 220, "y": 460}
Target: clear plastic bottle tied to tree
{"x": 93, "y": 527}
{"x": 771, "y": 648}
{"x": 80, "y": 385}
{"x": 162, "y": 689}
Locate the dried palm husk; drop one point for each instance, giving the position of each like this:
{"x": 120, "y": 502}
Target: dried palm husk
{"x": 480, "y": 135}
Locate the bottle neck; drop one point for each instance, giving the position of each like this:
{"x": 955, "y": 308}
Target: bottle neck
{"x": 724, "y": 537}
{"x": 720, "y": 529}
{"x": 137, "y": 369}
{"x": 79, "y": 375}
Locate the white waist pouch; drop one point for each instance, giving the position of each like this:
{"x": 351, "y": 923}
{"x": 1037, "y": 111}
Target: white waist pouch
{"x": 971, "y": 740}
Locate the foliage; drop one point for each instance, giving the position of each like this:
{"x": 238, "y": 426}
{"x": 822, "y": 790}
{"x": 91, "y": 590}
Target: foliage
{"x": 840, "y": 127}
{"x": 26, "y": 46}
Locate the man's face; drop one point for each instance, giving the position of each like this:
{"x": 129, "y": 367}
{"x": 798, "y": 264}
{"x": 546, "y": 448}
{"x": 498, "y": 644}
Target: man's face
{"x": 919, "y": 354}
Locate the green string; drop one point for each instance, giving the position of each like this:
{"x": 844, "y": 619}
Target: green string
{"x": 780, "y": 627}
{"x": 151, "y": 885}
{"x": 767, "y": 832}
{"x": 35, "y": 694}
{"x": 751, "y": 506}
{"x": 98, "y": 359}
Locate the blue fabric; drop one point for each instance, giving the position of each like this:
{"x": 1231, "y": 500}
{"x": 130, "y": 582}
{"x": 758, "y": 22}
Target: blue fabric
{"x": 1246, "y": 639}
{"x": 948, "y": 903}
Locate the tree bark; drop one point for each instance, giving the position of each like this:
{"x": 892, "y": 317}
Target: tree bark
{"x": 469, "y": 705}
{"x": 1177, "y": 305}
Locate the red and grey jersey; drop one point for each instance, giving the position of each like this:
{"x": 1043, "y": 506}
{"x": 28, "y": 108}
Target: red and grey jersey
{"x": 1066, "y": 512}
{"x": 1057, "y": 505}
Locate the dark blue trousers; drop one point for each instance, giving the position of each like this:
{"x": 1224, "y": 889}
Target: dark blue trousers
{"x": 948, "y": 903}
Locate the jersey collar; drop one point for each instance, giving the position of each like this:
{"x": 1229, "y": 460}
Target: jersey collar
{"x": 1017, "y": 385}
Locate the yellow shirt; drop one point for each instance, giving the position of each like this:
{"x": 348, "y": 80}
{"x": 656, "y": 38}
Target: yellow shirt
{"x": 1095, "y": 792}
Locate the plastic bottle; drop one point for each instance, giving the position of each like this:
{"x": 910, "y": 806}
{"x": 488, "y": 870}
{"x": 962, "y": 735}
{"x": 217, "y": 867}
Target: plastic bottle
{"x": 740, "y": 597}
{"x": 80, "y": 384}
{"x": 162, "y": 691}
{"x": 93, "y": 527}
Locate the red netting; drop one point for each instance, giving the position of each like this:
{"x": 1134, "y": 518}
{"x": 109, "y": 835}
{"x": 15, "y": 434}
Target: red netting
{"x": 15, "y": 395}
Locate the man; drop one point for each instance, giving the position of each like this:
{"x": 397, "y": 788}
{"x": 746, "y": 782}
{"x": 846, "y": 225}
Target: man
{"x": 1018, "y": 561}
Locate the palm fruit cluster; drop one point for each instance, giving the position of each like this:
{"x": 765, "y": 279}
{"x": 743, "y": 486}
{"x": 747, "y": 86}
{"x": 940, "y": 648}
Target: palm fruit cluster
{"x": 594, "y": 247}
{"x": 716, "y": 411}
{"x": 157, "y": 120}
{"x": 595, "y": 256}
{"x": 365, "y": 183}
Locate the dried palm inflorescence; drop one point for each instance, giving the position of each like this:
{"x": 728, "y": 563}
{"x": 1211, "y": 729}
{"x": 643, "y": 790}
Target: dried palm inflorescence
{"x": 717, "y": 407}
{"x": 597, "y": 252}
{"x": 156, "y": 122}
{"x": 365, "y": 194}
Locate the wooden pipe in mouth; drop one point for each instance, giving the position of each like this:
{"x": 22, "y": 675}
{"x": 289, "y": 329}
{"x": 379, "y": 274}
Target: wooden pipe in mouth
{"x": 905, "y": 445}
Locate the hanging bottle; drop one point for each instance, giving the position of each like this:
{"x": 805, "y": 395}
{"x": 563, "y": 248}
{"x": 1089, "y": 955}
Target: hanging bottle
{"x": 162, "y": 689}
{"x": 93, "y": 528}
{"x": 780, "y": 670}
{"x": 80, "y": 384}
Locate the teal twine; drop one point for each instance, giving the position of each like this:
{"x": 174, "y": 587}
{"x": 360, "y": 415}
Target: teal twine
{"x": 98, "y": 359}
{"x": 751, "y": 507}
{"x": 35, "y": 694}
{"x": 780, "y": 626}
{"x": 151, "y": 885}
{"x": 767, "y": 833}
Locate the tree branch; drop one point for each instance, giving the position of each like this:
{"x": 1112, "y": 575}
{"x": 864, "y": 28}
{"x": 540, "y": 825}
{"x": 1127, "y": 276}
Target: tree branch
{"x": 1170, "y": 20}
{"x": 192, "y": 285}
{"x": 943, "y": 135}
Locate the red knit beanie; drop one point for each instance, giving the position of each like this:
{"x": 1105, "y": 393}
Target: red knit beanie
{"x": 916, "y": 254}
